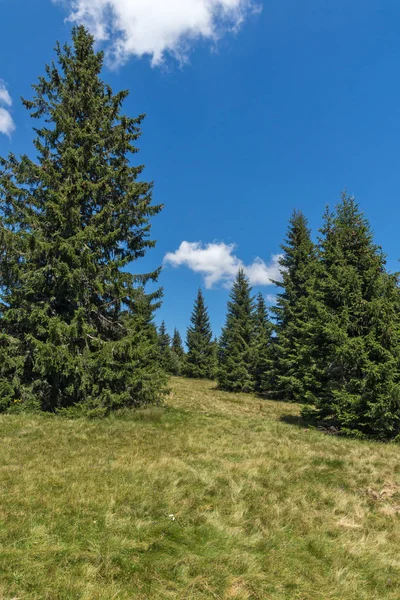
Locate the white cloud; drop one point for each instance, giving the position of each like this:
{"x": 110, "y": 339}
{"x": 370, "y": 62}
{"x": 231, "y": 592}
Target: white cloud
{"x": 260, "y": 273}
{"x": 271, "y": 299}
{"x": 5, "y": 97}
{"x": 7, "y": 125}
{"x": 217, "y": 263}
{"x": 157, "y": 27}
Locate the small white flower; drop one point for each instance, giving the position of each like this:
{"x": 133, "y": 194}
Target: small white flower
{"x": 172, "y": 517}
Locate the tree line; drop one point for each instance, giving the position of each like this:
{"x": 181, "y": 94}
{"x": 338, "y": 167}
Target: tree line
{"x": 200, "y": 360}
{"x": 331, "y": 341}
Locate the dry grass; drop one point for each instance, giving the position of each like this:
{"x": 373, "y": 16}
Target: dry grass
{"x": 214, "y": 496}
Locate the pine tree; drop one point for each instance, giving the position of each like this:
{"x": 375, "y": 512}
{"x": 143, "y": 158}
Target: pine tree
{"x": 355, "y": 329}
{"x": 235, "y": 349}
{"x": 290, "y": 378}
{"x": 200, "y": 357}
{"x": 75, "y": 326}
{"x": 261, "y": 347}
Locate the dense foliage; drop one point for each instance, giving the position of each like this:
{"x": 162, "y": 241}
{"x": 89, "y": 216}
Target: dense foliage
{"x": 75, "y": 325}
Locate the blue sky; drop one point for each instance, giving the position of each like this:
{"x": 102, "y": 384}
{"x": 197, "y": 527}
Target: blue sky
{"x": 251, "y": 113}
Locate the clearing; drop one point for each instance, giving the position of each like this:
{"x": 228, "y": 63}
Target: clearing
{"x": 215, "y": 495}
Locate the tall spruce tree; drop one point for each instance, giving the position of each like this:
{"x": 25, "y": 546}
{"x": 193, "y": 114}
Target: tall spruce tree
{"x": 75, "y": 326}
{"x": 291, "y": 376}
{"x": 355, "y": 329}
{"x": 261, "y": 347}
{"x": 200, "y": 357}
{"x": 235, "y": 372}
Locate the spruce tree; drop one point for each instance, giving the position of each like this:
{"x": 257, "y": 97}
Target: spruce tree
{"x": 200, "y": 357}
{"x": 177, "y": 345}
{"x": 177, "y": 354}
{"x": 215, "y": 353}
{"x": 290, "y": 377}
{"x": 235, "y": 349}
{"x": 75, "y": 325}
{"x": 164, "y": 337}
{"x": 355, "y": 329}
{"x": 164, "y": 341}
{"x": 261, "y": 346}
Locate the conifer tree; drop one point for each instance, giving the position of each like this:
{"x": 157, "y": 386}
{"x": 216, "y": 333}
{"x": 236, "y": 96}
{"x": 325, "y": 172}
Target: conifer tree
{"x": 177, "y": 354}
{"x": 200, "y": 357}
{"x": 215, "y": 348}
{"x": 177, "y": 345}
{"x": 164, "y": 341}
{"x": 235, "y": 349}
{"x": 261, "y": 345}
{"x": 355, "y": 329}
{"x": 75, "y": 326}
{"x": 164, "y": 337}
{"x": 290, "y": 378}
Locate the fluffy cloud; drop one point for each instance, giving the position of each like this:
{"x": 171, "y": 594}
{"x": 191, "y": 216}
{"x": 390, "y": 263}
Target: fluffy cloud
{"x": 5, "y": 97}
{"x": 7, "y": 125}
{"x": 157, "y": 27}
{"x": 217, "y": 263}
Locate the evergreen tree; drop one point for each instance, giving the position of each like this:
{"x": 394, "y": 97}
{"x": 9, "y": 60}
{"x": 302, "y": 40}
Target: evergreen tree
{"x": 164, "y": 337}
{"x": 235, "y": 349}
{"x": 215, "y": 354}
{"x": 200, "y": 356}
{"x": 177, "y": 345}
{"x": 291, "y": 376}
{"x": 166, "y": 357}
{"x": 261, "y": 347}
{"x": 169, "y": 360}
{"x": 75, "y": 326}
{"x": 177, "y": 354}
{"x": 355, "y": 329}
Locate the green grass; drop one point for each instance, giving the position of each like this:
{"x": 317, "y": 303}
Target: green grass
{"x": 263, "y": 508}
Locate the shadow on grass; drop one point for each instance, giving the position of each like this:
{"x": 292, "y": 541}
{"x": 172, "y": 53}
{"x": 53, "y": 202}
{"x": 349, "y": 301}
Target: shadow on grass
{"x": 297, "y": 420}
{"x": 311, "y": 422}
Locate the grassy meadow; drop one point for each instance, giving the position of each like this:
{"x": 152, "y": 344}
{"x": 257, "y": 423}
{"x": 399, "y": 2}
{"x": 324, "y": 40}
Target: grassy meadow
{"x": 214, "y": 495}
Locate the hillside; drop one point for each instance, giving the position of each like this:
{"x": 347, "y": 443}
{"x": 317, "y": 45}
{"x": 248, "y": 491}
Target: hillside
{"x": 215, "y": 495}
